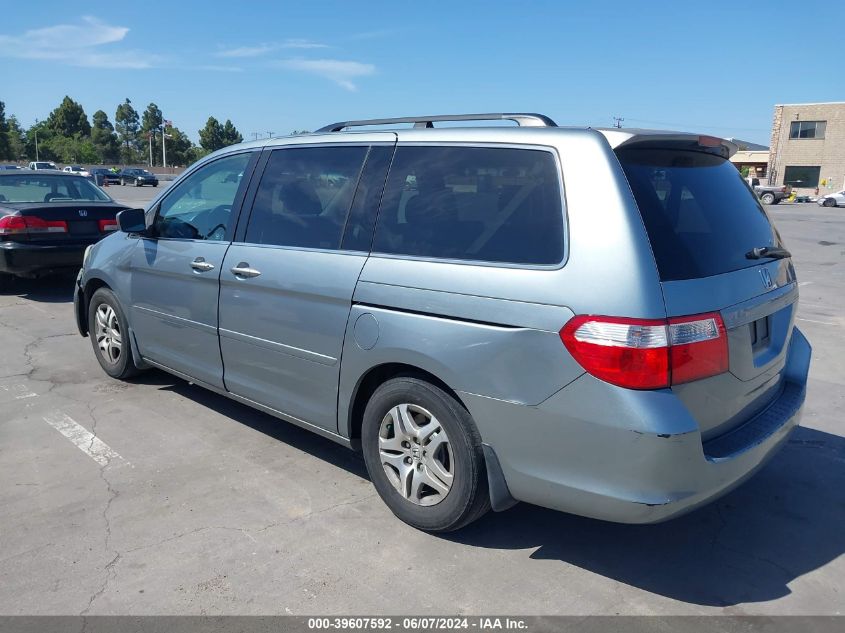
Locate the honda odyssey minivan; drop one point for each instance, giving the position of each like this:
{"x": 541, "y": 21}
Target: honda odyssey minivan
{"x": 596, "y": 321}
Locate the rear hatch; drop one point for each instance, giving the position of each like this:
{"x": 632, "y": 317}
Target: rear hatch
{"x": 704, "y": 223}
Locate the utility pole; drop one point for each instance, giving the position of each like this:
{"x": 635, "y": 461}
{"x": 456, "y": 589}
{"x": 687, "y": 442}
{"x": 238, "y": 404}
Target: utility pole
{"x": 617, "y": 121}
{"x": 269, "y": 135}
{"x": 164, "y": 125}
{"x": 255, "y": 135}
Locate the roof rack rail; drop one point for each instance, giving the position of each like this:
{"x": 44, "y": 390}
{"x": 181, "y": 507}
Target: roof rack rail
{"x": 523, "y": 119}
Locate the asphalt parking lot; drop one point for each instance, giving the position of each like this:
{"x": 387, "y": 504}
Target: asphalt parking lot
{"x": 199, "y": 505}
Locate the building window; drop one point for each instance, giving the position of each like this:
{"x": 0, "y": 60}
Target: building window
{"x": 807, "y": 129}
{"x": 801, "y": 176}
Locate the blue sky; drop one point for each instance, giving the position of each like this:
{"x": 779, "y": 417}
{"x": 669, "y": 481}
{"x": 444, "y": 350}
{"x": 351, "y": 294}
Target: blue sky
{"x": 715, "y": 67}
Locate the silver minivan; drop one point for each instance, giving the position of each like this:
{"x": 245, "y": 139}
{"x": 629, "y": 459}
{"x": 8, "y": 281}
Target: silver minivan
{"x": 596, "y": 321}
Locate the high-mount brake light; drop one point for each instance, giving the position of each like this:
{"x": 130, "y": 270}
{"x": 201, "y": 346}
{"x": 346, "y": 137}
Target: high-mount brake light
{"x": 648, "y": 353}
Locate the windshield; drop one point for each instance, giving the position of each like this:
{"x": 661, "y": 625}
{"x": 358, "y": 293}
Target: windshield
{"x": 700, "y": 215}
{"x": 40, "y": 188}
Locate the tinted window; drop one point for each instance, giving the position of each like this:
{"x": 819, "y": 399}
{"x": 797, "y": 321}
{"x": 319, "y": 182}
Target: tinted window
{"x": 488, "y": 204}
{"x": 304, "y": 196}
{"x": 358, "y": 235}
{"x": 700, "y": 215}
{"x": 200, "y": 207}
{"x": 802, "y": 176}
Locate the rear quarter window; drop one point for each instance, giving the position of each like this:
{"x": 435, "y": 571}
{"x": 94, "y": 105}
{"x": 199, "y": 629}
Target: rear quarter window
{"x": 493, "y": 204}
{"x": 700, "y": 215}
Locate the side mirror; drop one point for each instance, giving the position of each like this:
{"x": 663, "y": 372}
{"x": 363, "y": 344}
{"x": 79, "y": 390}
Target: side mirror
{"x": 132, "y": 221}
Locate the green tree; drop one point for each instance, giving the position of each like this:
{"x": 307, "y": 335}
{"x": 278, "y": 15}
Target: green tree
{"x": 5, "y": 145}
{"x": 69, "y": 119}
{"x": 74, "y": 149}
{"x": 151, "y": 124}
{"x": 211, "y": 136}
{"x": 37, "y": 141}
{"x": 104, "y": 139}
{"x": 17, "y": 141}
{"x": 180, "y": 149}
{"x": 231, "y": 136}
{"x": 128, "y": 125}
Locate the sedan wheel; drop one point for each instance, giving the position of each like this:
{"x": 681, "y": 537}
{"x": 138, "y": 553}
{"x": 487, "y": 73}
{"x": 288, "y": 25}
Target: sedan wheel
{"x": 767, "y": 198}
{"x": 829, "y": 202}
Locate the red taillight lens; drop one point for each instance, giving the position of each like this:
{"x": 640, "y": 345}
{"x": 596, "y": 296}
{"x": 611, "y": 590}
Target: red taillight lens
{"x": 18, "y": 224}
{"x": 108, "y": 225}
{"x": 12, "y": 225}
{"x": 648, "y": 354}
{"x": 698, "y": 347}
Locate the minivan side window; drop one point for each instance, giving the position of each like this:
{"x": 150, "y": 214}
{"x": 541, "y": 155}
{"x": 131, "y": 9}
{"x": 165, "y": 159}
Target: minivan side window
{"x": 304, "y": 196}
{"x": 200, "y": 207}
{"x": 490, "y": 204}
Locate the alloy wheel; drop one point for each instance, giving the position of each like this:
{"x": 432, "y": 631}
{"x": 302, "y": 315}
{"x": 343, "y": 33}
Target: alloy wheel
{"x": 109, "y": 336}
{"x": 416, "y": 454}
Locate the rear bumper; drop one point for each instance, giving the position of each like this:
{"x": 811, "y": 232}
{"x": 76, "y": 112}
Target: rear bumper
{"x": 631, "y": 456}
{"x": 20, "y": 258}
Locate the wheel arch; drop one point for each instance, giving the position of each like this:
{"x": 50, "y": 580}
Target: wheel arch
{"x": 372, "y": 379}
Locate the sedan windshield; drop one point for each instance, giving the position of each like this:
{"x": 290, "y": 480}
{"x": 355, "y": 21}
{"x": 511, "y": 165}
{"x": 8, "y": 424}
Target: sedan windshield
{"x": 40, "y": 188}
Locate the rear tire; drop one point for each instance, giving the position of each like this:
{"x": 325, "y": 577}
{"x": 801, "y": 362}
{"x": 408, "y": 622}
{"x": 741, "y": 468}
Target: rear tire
{"x": 423, "y": 454}
{"x": 122, "y": 182}
{"x": 767, "y": 198}
{"x": 108, "y": 330}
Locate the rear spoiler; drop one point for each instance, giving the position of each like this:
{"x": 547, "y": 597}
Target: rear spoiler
{"x": 628, "y": 137}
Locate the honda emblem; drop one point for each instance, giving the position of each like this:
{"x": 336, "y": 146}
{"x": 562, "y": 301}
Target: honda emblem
{"x": 83, "y": 213}
{"x": 768, "y": 284}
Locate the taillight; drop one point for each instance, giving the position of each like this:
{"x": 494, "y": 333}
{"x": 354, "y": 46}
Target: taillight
{"x": 648, "y": 354}
{"x": 24, "y": 224}
{"x": 108, "y": 225}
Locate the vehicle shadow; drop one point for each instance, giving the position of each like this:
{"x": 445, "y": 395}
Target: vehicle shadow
{"x": 299, "y": 438}
{"x": 56, "y": 288}
{"x": 747, "y": 547}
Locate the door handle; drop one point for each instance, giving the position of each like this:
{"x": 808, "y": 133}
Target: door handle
{"x": 243, "y": 270}
{"x": 201, "y": 265}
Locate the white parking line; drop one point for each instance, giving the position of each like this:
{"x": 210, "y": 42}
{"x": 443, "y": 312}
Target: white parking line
{"x": 814, "y": 321}
{"x": 84, "y": 440}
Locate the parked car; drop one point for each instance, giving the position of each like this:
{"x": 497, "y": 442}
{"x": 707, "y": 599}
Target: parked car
{"x": 10, "y": 167}
{"x": 481, "y": 337}
{"x": 47, "y": 219}
{"x": 770, "y": 194}
{"x": 138, "y": 177}
{"x": 78, "y": 170}
{"x": 103, "y": 176}
{"x": 43, "y": 165}
{"x": 832, "y": 199}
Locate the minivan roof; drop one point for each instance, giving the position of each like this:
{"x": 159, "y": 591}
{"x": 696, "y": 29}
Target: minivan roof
{"x": 531, "y": 128}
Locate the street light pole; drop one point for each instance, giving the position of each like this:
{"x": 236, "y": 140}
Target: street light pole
{"x": 163, "y": 143}
{"x": 36, "y": 139}
{"x": 150, "y": 137}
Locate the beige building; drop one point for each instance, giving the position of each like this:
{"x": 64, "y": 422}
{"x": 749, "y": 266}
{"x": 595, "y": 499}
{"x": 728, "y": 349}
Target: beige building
{"x": 808, "y": 147}
{"x": 757, "y": 161}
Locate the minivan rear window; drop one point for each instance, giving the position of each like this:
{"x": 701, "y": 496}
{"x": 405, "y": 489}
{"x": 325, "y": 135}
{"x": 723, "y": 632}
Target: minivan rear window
{"x": 700, "y": 215}
{"x": 491, "y": 204}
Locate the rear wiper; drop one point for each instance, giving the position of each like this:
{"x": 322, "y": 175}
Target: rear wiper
{"x": 774, "y": 252}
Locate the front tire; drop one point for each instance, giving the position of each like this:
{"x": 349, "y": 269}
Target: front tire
{"x": 138, "y": 183}
{"x": 829, "y": 202}
{"x": 122, "y": 182}
{"x": 423, "y": 454}
{"x": 109, "y": 334}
